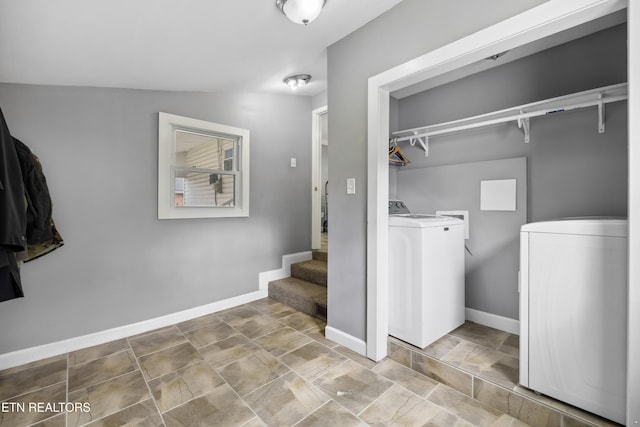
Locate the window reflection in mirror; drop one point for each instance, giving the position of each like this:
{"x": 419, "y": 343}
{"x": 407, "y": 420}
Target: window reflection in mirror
{"x": 203, "y": 169}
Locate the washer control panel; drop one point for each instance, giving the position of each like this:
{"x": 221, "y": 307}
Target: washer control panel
{"x": 397, "y": 207}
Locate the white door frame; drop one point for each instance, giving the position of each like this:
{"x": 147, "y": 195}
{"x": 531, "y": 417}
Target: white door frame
{"x": 541, "y": 21}
{"x": 633, "y": 325}
{"x": 316, "y": 174}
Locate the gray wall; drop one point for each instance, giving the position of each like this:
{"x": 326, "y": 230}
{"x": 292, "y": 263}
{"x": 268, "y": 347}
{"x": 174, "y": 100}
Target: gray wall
{"x": 120, "y": 264}
{"x": 410, "y": 29}
{"x": 572, "y": 169}
{"x": 319, "y": 100}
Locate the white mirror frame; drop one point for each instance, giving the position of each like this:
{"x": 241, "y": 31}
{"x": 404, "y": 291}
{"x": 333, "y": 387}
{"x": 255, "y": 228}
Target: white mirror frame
{"x": 167, "y": 125}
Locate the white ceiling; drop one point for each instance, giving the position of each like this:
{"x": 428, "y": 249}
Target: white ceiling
{"x": 194, "y": 45}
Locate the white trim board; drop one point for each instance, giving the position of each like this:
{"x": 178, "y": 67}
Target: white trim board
{"x": 541, "y": 21}
{"x": 346, "y": 340}
{"x": 32, "y": 354}
{"x": 492, "y": 320}
{"x": 20, "y": 357}
{"x": 285, "y": 271}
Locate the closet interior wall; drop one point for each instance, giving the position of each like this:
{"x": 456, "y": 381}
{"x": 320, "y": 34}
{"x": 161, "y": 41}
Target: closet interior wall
{"x": 572, "y": 170}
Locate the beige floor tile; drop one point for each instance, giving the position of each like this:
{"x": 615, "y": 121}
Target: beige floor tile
{"x": 353, "y": 386}
{"x": 482, "y": 335}
{"x": 20, "y": 411}
{"x": 331, "y": 414}
{"x": 464, "y": 406}
{"x": 156, "y": 340}
{"x": 170, "y": 359}
{"x": 143, "y": 414}
{"x": 272, "y": 308}
{"x": 216, "y": 330}
{"x": 183, "y": 385}
{"x": 35, "y": 364}
{"x": 447, "y": 419}
{"x": 511, "y": 346}
{"x": 25, "y": 379}
{"x": 228, "y": 350}
{"x": 317, "y": 334}
{"x": 283, "y": 341}
{"x": 514, "y": 404}
{"x": 238, "y": 314}
{"x": 108, "y": 397}
{"x": 221, "y": 407}
{"x": 57, "y": 421}
{"x": 399, "y": 353}
{"x": 492, "y": 364}
{"x": 286, "y": 400}
{"x": 399, "y": 407}
{"x": 252, "y": 371}
{"x": 442, "y": 372}
{"x": 98, "y": 351}
{"x": 302, "y": 322}
{"x": 358, "y": 358}
{"x": 98, "y": 370}
{"x": 198, "y": 322}
{"x": 312, "y": 360}
{"x": 406, "y": 377}
{"x": 441, "y": 347}
{"x": 257, "y": 326}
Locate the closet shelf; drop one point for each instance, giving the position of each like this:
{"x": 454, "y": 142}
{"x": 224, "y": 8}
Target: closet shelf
{"x": 520, "y": 114}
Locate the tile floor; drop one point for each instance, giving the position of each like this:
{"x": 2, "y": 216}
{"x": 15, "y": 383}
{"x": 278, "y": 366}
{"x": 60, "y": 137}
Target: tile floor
{"x": 263, "y": 363}
{"x": 483, "y": 363}
{"x": 258, "y": 364}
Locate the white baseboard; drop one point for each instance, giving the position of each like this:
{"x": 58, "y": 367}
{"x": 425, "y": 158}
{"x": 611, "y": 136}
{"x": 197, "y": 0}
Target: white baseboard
{"x": 344, "y": 339}
{"x": 493, "y": 320}
{"x": 20, "y": 357}
{"x": 285, "y": 271}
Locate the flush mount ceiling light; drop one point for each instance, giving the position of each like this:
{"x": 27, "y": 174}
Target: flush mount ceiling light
{"x": 301, "y": 11}
{"x": 299, "y": 80}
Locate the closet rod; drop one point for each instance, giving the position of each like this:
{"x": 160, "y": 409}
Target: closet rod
{"x": 594, "y": 97}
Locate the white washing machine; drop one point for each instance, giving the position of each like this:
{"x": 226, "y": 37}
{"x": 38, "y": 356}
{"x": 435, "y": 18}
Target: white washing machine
{"x": 426, "y": 275}
{"x": 573, "y": 312}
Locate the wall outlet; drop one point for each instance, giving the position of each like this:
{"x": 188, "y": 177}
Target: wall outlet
{"x": 293, "y": 162}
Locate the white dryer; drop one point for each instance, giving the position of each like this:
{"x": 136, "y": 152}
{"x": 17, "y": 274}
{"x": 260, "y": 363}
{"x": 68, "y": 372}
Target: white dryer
{"x": 426, "y": 275}
{"x": 573, "y": 312}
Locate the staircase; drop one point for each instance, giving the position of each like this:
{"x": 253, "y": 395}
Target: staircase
{"x": 306, "y": 289}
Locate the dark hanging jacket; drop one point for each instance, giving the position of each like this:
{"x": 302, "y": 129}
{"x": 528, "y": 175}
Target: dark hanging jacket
{"x": 27, "y": 230}
{"x": 13, "y": 221}
{"x": 41, "y": 233}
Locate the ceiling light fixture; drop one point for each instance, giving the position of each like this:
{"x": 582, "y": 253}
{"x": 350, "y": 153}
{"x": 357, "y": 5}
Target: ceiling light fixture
{"x": 301, "y": 11}
{"x": 299, "y": 80}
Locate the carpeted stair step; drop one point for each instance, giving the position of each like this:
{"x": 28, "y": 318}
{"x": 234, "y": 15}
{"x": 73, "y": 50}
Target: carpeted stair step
{"x": 304, "y": 296}
{"x": 314, "y": 271}
{"x": 320, "y": 255}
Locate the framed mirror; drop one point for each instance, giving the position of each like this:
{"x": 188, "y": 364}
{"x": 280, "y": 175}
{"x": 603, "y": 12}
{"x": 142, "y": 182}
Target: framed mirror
{"x": 203, "y": 169}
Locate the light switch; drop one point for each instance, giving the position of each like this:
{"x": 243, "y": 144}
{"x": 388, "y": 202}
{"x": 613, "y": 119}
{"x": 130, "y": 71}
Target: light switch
{"x": 351, "y": 186}
{"x": 293, "y": 162}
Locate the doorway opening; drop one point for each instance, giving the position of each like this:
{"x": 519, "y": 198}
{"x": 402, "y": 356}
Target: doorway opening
{"x": 320, "y": 179}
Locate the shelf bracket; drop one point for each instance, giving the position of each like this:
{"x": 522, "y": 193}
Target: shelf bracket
{"x": 600, "y": 114}
{"x": 523, "y": 123}
{"x": 423, "y": 140}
